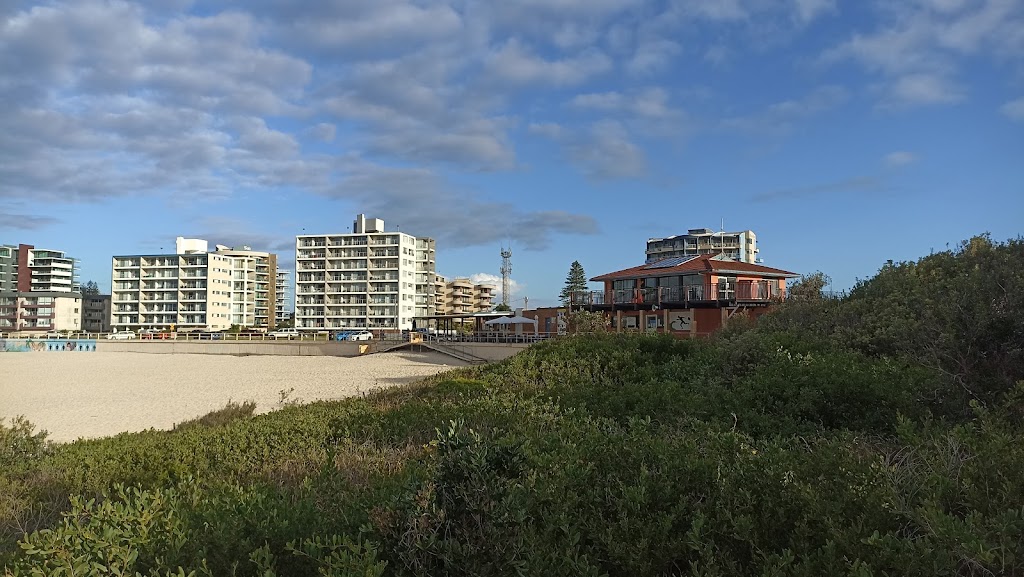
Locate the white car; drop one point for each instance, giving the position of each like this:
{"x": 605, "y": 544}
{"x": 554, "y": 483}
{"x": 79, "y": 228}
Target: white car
{"x": 121, "y": 336}
{"x": 360, "y": 336}
{"x": 285, "y": 334}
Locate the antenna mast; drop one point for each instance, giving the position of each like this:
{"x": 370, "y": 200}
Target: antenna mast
{"x": 506, "y": 274}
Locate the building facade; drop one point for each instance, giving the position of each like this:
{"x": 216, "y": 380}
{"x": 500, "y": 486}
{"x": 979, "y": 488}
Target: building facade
{"x": 39, "y": 290}
{"x": 96, "y": 313}
{"x": 461, "y": 296}
{"x": 24, "y": 268}
{"x": 194, "y": 289}
{"x": 692, "y": 296}
{"x": 282, "y": 310}
{"x": 741, "y": 246}
{"x": 369, "y": 278}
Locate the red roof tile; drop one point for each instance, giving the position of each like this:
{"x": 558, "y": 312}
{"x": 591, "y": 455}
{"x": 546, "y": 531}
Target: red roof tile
{"x": 703, "y": 263}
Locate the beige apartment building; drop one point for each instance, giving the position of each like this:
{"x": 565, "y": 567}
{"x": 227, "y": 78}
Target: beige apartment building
{"x": 462, "y": 296}
{"x": 194, "y": 288}
{"x": 741, "y": 246}
{"x": 369, "y": 278}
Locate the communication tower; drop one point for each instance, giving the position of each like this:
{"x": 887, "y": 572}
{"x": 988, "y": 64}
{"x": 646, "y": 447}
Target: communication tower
{"x": 506, "y": 274}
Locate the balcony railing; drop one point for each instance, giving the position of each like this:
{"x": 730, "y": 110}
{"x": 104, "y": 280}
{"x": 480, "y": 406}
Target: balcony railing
{"x": 748, "y": 291}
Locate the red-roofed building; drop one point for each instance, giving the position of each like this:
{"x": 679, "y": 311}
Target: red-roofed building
{"x": 692, "y": 294}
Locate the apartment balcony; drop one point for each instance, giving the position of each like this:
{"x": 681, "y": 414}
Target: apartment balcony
{"x": 682, "y": 297}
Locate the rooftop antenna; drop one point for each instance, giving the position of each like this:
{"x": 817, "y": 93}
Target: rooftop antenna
{"x": 506, "y": 273}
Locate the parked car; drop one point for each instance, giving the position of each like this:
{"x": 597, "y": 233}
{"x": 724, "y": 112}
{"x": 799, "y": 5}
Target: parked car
{"x": 360, "y": 336}
{"x": 121, "y": 336}
{"x": 292, "y": 333}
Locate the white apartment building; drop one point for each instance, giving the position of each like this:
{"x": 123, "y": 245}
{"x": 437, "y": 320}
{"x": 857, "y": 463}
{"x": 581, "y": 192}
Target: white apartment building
{"x": 193, "y": 288}
{"x": 367, "y": 279}
{"x": 741, "y": 246}
{"x": 282, "y": 312}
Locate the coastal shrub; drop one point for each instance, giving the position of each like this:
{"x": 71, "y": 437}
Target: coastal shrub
{"x": 20, "y": 443}
{"x": 231, "y": 412}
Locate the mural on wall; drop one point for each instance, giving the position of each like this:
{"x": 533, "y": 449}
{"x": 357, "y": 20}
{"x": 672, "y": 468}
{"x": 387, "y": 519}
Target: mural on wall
{"x": 47, "y": 345}
{"x": 681, "y": 321}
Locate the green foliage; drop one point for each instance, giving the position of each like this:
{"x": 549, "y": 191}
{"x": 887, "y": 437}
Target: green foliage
{"x": 20, "y": 444}
{"x": 835, "y": 437}
{"x": 90, "y": 288}
{"x": 586, "y": 322}
{"x": 575, "y": 281}
{"x": 502, "y": 308}
{"x": 231, "y": 412}
{"x": 959, "y": 312}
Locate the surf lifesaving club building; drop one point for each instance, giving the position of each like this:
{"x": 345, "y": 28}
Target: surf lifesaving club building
{"x": 686, "y": 296}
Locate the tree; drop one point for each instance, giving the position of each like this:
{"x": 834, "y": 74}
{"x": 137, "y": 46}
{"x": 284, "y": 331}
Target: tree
{"x": 91, "y": 288}
{"x": 502, "y": 308}
{"x": 575, "y": 281}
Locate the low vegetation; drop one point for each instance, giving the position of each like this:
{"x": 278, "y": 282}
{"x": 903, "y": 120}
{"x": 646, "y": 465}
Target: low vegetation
{"x": 878, "y": 433}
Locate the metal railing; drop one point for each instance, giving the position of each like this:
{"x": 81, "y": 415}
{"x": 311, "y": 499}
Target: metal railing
{"x": 722, "y": 291}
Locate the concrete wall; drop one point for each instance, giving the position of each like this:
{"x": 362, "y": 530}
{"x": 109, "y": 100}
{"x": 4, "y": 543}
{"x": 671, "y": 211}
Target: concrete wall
{"x": 284, "y": 348}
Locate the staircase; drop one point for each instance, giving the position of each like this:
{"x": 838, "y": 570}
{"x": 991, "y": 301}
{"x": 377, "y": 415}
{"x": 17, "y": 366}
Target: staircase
{"x": 452, "y": 350}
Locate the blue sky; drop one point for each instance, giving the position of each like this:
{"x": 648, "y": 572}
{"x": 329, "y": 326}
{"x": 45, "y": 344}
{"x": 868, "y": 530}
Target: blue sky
{"x": 844, "y": 133}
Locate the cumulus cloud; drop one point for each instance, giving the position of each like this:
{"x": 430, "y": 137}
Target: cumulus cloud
{"x": 650, "y": 103}
{"x": 424, "y": 203}
{"x": 515, "y": 64}
{"x": 515, "y": 287}
{"x": 919, "y": 48}
{"x": 603, "y": 151}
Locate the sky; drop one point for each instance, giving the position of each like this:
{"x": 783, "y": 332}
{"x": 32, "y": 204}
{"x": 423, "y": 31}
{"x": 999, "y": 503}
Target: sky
{"x": 843, "y": 133}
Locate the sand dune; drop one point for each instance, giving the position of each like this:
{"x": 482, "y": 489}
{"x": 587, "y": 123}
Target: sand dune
{"x": 75, "y": 395}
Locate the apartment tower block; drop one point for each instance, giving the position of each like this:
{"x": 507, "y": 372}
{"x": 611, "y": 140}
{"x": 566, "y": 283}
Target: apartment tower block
{"x": 369, "y": 278}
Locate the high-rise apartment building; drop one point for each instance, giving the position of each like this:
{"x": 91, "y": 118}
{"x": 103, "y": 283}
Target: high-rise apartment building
{"x": 283, "y": 312}
{"x": 194, "y": 288}
{"x": 463, "y": 296}
{"x": 24, "y": 268}
{"x": 369, "y": 278}
{"x": 741, "y": 246}
{"x": 38, "y": 290}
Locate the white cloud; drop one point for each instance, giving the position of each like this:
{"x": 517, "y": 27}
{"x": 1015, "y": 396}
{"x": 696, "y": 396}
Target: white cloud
{"x": 784, "y": 115}
{"x": 548, "y": 129}
{"x": 516, "y": 64}
{"x": 1014, "y": 110}
{"x": 919, "y": 48}
{"x": 515, "y": 287}
{"x": 809, "y": 10}
{"x": 900, "y": 158}
{"x": 924, "y": 89}
{"x": 649, "y": 103}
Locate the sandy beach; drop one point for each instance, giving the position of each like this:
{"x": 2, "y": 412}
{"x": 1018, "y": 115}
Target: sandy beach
{"x": 101, "y": 394}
